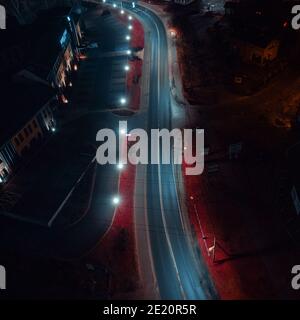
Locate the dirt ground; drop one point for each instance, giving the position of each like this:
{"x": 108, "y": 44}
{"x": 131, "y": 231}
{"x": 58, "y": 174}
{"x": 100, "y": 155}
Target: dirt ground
{"x": 239, "y": 203}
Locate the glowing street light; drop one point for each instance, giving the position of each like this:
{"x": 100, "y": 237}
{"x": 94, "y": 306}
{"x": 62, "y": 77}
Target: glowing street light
{"x": 130, "y": 27}
{"x": 129, "y": 17}
{"x": 127, "y": 68}
{"x": 123, "y": 101}
{"x": 120, "y": 166}
{"x": 116, "y": 200}
{"x": 103, "y": 1}
{"x": 173, "y": 33}
{"x": 64, "y": 99}
{"x": 128, "y": 37}
{"x": 122, "y": 11}
{"x": 53, "y": 129}
{"x": 128, "y": 52}
{"x": 114, "y": 5}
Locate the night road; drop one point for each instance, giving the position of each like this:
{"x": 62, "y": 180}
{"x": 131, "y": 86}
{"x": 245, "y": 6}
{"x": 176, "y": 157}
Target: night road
{"x": 179, "y": 271}
{"x": 149, "y": 154}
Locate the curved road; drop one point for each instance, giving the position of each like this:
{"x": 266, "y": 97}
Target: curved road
{"x": 179, "y": 271}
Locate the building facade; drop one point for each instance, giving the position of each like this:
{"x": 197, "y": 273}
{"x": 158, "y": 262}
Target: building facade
{"x": 34, "y": 130}
{"x": 28, "y": 120}
{"x": 55, "y": 53}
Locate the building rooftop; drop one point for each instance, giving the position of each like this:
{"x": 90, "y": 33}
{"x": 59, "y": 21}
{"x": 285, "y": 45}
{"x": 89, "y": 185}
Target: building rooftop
{"x": 43, "y": 37}
{"x": 15, "y": 34}
{"x": 58, "y": 14}
{"x": 47, "y": 45}
{"x": 20, "y": 102}
{"x": 46, "y": 49}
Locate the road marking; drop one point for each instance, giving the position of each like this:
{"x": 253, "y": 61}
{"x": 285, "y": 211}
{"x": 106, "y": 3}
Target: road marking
{"x": 148, "y": 236}
{"x": 166, "y": 230}
{"x": 159, "y": 171}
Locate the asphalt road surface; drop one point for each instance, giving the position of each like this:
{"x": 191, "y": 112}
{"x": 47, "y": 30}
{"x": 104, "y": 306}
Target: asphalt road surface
{"x": 180, "y": 273}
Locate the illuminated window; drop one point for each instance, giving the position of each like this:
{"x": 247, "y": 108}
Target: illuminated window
{"x": 64, "y": 39}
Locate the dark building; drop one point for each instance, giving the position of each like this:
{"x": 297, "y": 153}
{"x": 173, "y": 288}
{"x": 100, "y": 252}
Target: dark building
{"x": 55, "y": 51}
{"x": 15, "y": 45}
{"x": 27, "y": 115}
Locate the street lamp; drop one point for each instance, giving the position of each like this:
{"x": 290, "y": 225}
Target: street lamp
{"x": 120, "y": 166}
{"x": 127, "y": 68}
{"x": 130, "y": 27}
{"x": 123, "y": 101}
{"x": 53, "y": 129}
{"x": 64, "y": 99}
{"x": 128, "y": 52}
{"x": 122, "y": 12}
{"x": 129, "y": 17}
{"x": 114, "y": 5}
{"x": 128, "y": 37}
{"x": 116, "y": 200}
{"x": 122, "y": 132}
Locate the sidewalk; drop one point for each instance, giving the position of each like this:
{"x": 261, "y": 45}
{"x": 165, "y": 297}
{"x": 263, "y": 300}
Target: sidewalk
{"x": 134, "y": 75}
{"x": 117, "y": 249}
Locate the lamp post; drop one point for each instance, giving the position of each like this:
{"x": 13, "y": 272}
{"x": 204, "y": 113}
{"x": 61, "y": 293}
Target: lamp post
{"x": 200, "y": 226}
